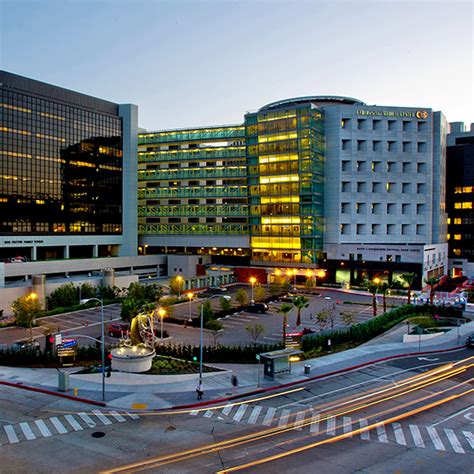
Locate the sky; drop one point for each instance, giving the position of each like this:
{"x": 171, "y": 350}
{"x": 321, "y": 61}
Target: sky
{"x": 208, "y": 62}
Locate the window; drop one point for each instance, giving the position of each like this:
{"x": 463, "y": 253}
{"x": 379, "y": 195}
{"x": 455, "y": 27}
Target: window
{"x": 345, "y": 229}
{"x": 406, "y": 147}
{"x": 390, "y": 186}
{"x": 346, "y": 186}
{"x": 407, "y": 125}
{"x": 361, "y": 124}
{"x": 360, "y": 229}
{"x": 420, "y": 229}
{"x": 389, "y": 258}
{"x": 406, "y": 188}
{"x": 421, "y": 147}
{"x": 457, "y": 220}
{"x": 376, "y": 166}
{"x": 376, "y": 208}
{"x": 390, "y": 229}
{"x": 376, "y": 187}
{"x": 345, "y": 165}
{"x": 391, "y": 124}
{"x": 351, "y": 256}
{"x": 361, "y": 166}
{"x": 345, "y": 207}
{"x": 406, "y": 167}
{"x": 391, "y": 207}
{"x": 359, "y": 257}
{"x": 376, "y": 145}
{"x": 361, "y": 207}
{"x": 361, "y": 145}
{"x": 361, "y": 186}
{"x": 420, "y": 208}
{"x": 467, "y": 205}
{"x": 398, "y": 258}
{"x": 405, "y": 229}
{"x": 422, "y": 126}
{"x": 345, "y": 144}
{"x": 406, "y": 208}
{"x": 377, "y": 124}
{"x": 391, "y": 166}
{"x": 345, "y": 123}
{"x": 375, "y": 229}
{"x": 420, "y": 188}
{"x": 391, "y": 146}
{"x": 457, "y": 236}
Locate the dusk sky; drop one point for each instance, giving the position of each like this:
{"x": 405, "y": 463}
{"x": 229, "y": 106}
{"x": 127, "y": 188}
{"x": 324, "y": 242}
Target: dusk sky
{"x": 195, "y": 63}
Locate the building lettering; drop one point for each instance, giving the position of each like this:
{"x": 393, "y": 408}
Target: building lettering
{"x": 420, "y": 114}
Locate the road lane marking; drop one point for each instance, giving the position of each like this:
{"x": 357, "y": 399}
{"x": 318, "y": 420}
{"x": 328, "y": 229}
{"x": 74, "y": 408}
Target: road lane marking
{"x": 44, "y": 430}
{"x": 254, "y": 415}
{"x": 453, "y": 439}
{"x": 416, "y": 435}
{"x": 240, "y": 412}
{"x": 194, "y": 412}
{"x": 314, "y": 428}
{"x": 61, "y": 429}
{"x": 469, "y": 437}
{"x": 382, "y": 434}
{"x": 72, "y": 421}
{"x": 285, "y": 414}
{"x": 132, "y": 415}
{"x": 269, "y": 416}
{"x": 399, "y": 435}
{"x": 227, "y": 409}
{"x": 347, "y": 425}
{"x": 366, "y": 433}
{"x": 117, "y": 416}
{"x": 331, "y": 426}
{"x": 438, "y": 444}
{"x": 299, "y": 420}
{"x": 453, "y": 415}
{"x": 29, "y": 435}
{"x": 208, "y": 414}
{"x": 87, "y": 420}
{"x": 102, "y": 417}
{"x": 11, "y": 435}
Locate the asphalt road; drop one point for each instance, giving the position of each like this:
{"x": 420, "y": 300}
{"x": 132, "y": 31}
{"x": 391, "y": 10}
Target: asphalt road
{"x": 318, "y": 427}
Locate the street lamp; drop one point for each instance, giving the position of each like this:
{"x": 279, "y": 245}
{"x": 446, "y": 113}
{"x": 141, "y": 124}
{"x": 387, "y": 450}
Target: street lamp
{"x": 179, "y": 279}
{"x": 190, "y": 296}
{"x": 227, "y": 297}
{"x": 162, "y": 313}
{"x": 252, "y": 281}
{"x": 321, "y": 274}
{"x": 84, "y": 301}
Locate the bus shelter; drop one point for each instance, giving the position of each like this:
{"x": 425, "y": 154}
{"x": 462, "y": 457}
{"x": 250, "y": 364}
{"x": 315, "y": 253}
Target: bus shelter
{"x": 277, "y": 362}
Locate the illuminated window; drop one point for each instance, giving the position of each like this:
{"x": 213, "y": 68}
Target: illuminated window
{"x": 457, "y": 220}
{"x": 457, "y": 236}
{"x": 449, "y": 220}
{"x": 458, "y": 205}
{"x": 467, "y": 205}
{"x": 457, "y": 190}
{"x": 457, "y": 251}
{"x": 448, "y": 236}
{"x": 467, "y": 189}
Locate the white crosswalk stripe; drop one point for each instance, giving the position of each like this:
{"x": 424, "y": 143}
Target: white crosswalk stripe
{"x": 299, "y": 420}
{"x": 73, "y": 422}
{"x": 60, "y": 428}
{"x": 285, "y": 414}
{"x": 227, "y": 409}
{"x": 102, "y": 417}
{"x": 240, "y": 412}
{"x": 416, "y": 435}
{"x": 399, "y": 435}
{"x": 331, "y": 426}
{"x": 27, "y": 431}
{"x": 11, "y": 435}
{"x": 438, "y": 444}
{"x": 87, "y": 419}
{"x": 382, "y": 434}
{"x": 254, "y": 415}
{"x": 269, "y": 416}
{"x": 44, "y": 430}
{"x": 366, "y": 433}
{"x": 469, "y": 437}
{"x": 347, "y": 423}
{"x": 453, "y": 439}
{"x": 133, "y": 416}
{"x": 194, "y": 412}
{"x": 314, "y": 428}
{"x": 208, "y": 413}
{"x": 117, "y": 416}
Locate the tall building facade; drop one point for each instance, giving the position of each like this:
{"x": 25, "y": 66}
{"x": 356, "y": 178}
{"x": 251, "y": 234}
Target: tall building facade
{"x": 460, "y": 199}
{"x": 68, "y": 173}
{"x": 323, "y": 181}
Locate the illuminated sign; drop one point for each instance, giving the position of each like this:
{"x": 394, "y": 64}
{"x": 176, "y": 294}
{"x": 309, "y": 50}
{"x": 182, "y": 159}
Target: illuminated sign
{"x": 419, "y": 114}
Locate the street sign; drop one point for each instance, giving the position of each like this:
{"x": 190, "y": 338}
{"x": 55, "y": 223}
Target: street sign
{"x": 257, "y": 357}
{"x": 427, "y": 358}
{"x": 58, "y": 339}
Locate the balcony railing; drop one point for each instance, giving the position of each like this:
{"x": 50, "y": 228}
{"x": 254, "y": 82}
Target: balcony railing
{"x": 192, "y": 135}
{"x": 200, "y": 211}
{"x": 191, "y": 154}
{"x": 192, "y": 173}
{"x": 193, "y": 192}
{"x": 192, "y": 229}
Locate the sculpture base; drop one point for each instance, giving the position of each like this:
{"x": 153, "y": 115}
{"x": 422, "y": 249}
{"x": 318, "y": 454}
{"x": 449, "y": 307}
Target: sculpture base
{"x": 133, "y": 359}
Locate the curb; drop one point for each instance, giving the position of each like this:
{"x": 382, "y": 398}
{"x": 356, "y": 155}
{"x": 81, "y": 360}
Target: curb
{"x": 309, "y": 379}
{"x": 50, "y": 392}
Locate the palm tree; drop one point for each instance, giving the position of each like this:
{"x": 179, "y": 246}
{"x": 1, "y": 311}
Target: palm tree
{"x": 285, "y": 308}
{"x": 408, "y": 278}
{"x": 384, "y": 287}
{"x": 299, "y": 303}
{"x": 372, "y": 289}
{"x": 432, "y": 282}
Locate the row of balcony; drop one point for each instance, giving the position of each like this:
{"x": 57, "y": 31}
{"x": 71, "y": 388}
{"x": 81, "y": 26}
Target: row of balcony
{"x": 192, "y": 135}
{"x": 191, "y": 154}
{"x": 192, "y": 173}
{"x": 194, "y": 192}
{"x": 200, "y": 211}
{"x": 193, "y": 229}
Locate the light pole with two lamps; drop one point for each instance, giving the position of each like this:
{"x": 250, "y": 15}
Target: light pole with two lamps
{"x": 84, "y": 301}
{"x": 252, "y": 281}
{"x": 190, "y": 296}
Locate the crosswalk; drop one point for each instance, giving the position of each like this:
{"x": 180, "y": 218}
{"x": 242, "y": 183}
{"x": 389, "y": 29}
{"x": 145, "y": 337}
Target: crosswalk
{"x": 60, "y": 424}
{"x": 237, "y": 320}
{"x": 409, "y": 435}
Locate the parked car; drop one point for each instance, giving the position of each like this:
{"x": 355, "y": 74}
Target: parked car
{"x": 256, "y": 308}
{"x": 26, "y": 345}
{"x": 470, "y": 341}
{"x": 118, "y": 329}
{"x": 288, "y": 298}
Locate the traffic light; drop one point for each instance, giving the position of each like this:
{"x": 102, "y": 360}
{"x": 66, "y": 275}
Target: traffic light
{"x": 195, "y": 359}
{"x": 108, "y": 364}
{"x": 49, "y": 341}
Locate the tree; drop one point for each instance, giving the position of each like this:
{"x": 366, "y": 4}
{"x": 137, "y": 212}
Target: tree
{"x": 408, "y": 278}
{"x": 347, "y": 318}
{"x": 259, "y": 293}
{"x": 26, "y": 309}
{"x": 207, "y": 311}
{"x": 372, "y": 288}
{"x": 322, "y": 318}
{"x": 299, "y": 303}
{"x": 177, "y": 285}
{"x": 64, "y": 296}
{"x": 242, "y": 297}
{"x": 214, "y": 327}
{"x": 383, "y": 288}
{"x": 432, "y": 282}
{"x": 255, "y": 331}
{"x": 285, "y": 308}
{"x": 226, "y": 303}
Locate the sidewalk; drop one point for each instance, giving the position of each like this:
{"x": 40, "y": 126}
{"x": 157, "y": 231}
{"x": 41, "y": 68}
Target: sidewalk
{"x": 139, "y": 391}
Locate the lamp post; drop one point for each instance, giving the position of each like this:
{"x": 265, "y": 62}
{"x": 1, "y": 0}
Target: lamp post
{"x": 179, "y": 279}
{"x": 190, "y": 296}
{"x": 321, "y": 274}
{"x": 252, "y": 281}
{"x": 84, "y": 301}
{"x": 227, "y": 297}
{"x": 162, "y": 313}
